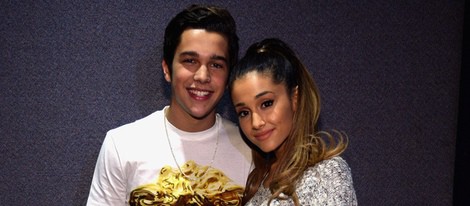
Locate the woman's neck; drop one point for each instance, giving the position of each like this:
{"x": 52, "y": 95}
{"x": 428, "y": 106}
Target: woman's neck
{"x": 270, "y": 174}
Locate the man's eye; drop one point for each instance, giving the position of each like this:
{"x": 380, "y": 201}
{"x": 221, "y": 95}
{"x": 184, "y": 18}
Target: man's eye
{"x": 189, "y": 61}
{"x": 217, "y": 66}
{"x": 267, "y": 103}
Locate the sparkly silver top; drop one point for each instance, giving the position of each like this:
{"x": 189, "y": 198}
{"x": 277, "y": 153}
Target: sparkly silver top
{"x": 327, "y": 183}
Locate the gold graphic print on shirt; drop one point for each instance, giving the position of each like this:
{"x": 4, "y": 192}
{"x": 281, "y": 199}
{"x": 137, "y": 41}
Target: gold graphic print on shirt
{"x": 201, "y": 185}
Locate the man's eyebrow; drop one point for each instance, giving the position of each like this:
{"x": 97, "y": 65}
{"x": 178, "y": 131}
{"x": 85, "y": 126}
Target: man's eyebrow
{"x": 195, "y": 54}
{"x": 189, "y": 53}
{"x": 218, "y": 57}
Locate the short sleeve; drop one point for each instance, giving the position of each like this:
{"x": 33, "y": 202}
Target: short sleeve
{"x": 107, "y": 187}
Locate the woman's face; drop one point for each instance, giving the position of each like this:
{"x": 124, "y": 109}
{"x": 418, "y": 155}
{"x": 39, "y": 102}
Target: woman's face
{"x": 265, "y": 110}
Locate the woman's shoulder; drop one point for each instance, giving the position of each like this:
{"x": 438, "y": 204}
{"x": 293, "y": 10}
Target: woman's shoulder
{"x": 330, "y": 169}
{"x": 330, "y": 165}
{"x": 330, "y": 177}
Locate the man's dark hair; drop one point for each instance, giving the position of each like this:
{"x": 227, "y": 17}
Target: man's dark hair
{"x": 209, "y": 18}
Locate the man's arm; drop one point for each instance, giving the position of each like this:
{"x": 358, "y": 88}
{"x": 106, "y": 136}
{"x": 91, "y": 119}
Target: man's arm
{"x": 108, "y": 184}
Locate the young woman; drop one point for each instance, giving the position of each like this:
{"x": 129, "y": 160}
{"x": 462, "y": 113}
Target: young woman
{"x": 278, "y": 106}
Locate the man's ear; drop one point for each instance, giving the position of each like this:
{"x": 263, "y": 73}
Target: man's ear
{"x": 166, "y": 71}
{"x": 295, "y": 98}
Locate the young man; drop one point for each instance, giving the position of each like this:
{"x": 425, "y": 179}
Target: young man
{"x": 185, "y": 153}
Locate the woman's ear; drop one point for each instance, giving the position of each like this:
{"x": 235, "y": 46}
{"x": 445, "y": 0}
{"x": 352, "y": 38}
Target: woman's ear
{"x": 166, "y": 71}
{"x": 295, "y": 98}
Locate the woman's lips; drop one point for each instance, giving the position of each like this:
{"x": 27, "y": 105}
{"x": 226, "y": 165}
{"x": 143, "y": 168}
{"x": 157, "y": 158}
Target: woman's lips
{"x": 263, "y": 135}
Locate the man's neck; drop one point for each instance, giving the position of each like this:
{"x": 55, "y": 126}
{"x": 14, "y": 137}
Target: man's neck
{"x": 184, "y": 121}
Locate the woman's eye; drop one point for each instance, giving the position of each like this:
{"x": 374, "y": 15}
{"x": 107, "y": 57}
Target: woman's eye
{"x": 242, "y": 114}
{"x": 267, "y": 103}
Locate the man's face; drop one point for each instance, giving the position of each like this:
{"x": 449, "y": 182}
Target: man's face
{"x": 199, "y": 73}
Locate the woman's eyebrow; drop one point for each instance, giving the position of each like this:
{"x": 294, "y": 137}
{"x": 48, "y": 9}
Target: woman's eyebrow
{"x": 256, "y": 97}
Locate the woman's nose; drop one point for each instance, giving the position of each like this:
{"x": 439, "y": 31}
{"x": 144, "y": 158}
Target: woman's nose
{"x": 257, "y": 121}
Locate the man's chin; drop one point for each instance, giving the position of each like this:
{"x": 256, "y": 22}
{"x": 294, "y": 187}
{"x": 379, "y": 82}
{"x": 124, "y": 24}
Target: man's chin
{"x": 202, "y": 114}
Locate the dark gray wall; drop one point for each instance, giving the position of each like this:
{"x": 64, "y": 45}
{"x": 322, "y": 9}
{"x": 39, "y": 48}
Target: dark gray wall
{"x": 388, "y": 73}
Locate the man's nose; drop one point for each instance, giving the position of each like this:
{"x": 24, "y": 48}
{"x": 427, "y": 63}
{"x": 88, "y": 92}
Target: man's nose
{"x": 202, "y": 74}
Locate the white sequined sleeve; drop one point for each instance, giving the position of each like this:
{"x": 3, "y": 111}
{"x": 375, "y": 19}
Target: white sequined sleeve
{"x": 327, "y": 183}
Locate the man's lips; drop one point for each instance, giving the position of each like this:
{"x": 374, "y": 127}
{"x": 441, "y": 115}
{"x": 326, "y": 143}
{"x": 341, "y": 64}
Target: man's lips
{"x": 199, "y": 94}
{"x": 263, "y": 135}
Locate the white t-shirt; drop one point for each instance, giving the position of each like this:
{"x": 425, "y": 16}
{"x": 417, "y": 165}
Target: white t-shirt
{"x": 136, "y": 159}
